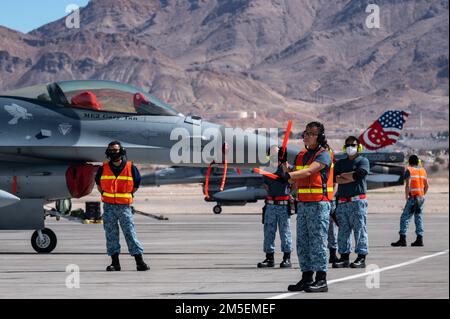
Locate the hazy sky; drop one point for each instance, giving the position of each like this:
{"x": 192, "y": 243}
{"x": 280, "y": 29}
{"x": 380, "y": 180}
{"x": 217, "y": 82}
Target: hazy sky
{"x": 26, "y": 15}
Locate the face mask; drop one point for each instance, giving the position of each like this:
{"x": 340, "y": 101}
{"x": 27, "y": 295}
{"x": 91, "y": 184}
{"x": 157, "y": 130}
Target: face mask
{"x": 351, "y": 151}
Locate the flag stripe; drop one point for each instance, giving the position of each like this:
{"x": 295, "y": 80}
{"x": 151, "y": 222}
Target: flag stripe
{"x": 392, "y": 129}
{"x": 393, "y": 137}
{"x": 392, "y": 133}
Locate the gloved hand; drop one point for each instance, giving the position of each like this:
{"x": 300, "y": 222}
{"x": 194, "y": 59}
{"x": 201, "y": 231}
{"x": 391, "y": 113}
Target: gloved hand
{"x": 282, "y": 157}
{"x": 283, "y": 177}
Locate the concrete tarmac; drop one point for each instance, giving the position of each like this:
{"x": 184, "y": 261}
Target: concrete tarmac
{"x": 196, "y": 254}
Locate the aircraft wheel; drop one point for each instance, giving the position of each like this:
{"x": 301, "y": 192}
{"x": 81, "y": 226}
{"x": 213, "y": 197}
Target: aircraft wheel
{"x": 217, "y": 209}
{"x": 44, "y": 243}
{"x": 64, "y": 206}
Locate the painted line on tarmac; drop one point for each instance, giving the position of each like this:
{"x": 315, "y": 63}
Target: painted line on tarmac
{"x": 413, "y": 261}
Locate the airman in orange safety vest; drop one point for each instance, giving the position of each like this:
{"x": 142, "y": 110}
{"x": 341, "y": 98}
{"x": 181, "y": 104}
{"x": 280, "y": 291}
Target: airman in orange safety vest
{"x": 117, "y": 181}
{"x": 416, "y": 187}
{"x": 313, "y": 176}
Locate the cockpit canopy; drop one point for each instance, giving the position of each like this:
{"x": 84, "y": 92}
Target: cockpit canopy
{"x": 103, "y": 96}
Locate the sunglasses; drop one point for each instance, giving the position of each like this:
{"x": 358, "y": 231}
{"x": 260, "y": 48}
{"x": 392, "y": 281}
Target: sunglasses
{"x": 351, "y": 145}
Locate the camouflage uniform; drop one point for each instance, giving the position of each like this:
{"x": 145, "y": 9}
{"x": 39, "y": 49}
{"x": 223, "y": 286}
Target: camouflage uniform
{"x": 313, "y": 220}
{"x": 352, "y": 216}
{"x": 277, "y": 215}
{"x": 408, "y": 211}
{"x": 332, "y": 235}
{"x": 332, "y": 230}
{"x": 123, "y": 214}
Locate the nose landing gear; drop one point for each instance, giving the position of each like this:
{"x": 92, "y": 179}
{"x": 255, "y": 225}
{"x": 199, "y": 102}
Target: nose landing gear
{"x": 43, "y": 240}
{"x": 217, "y": 209}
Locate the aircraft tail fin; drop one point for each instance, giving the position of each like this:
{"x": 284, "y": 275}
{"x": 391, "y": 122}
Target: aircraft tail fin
{"x": 384, "y": 131}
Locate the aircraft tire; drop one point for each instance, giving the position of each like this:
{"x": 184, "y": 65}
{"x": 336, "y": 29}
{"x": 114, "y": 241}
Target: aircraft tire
{"x": 47, "y": 244}
{"x": 217, "y": 209}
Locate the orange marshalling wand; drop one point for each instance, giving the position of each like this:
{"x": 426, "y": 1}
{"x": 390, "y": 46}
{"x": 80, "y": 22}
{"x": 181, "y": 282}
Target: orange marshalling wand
{"x": 224, "y": 175}
{"x": 208, "y": 173}
{"x": 286, "y": 136}
{"x": 267, "y": 174}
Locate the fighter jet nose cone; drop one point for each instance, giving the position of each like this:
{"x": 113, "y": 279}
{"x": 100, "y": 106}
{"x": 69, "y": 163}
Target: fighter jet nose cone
{"x": 7, "y": 199}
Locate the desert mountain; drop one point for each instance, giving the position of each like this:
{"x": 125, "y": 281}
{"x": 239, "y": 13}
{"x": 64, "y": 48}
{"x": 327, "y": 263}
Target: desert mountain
{"x": 278, "y": 58}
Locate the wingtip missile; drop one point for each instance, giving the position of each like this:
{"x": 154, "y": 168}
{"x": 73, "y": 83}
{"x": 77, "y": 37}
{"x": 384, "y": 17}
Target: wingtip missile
{"x": 245, "y": 193}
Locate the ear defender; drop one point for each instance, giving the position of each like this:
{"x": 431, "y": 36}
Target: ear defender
{"x": 419, "y": 162}
{"x": 321, "y": 138}
{"x": 360, "y": 148}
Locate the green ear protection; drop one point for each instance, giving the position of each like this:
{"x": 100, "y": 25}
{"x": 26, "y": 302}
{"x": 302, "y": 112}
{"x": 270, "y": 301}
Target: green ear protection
{"x": 419, "y": 161}
{"x": 418, "y": 164}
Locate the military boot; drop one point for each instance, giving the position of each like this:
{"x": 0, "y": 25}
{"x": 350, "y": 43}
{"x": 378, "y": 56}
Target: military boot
{"x": 333, "y": 257}
{"x": 140, "y": 264}
{"x": 307, "y": 280}
{"x": 320, "y": 285}
{"x": 359, "y": 262}
{"x": 115, "y": 265}
{"x": 343, "y": 262}
{"x": 418, "y": 242}
{"x": 286, "y": 263}
{"x": 401, "y": 242}
{"x": 268, "y": 262}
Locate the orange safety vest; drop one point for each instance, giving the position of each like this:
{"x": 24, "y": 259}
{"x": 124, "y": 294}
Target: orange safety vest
{"x": 417, "y": 181}
{"x": 117, "y": 190}
{"x": 313, "y": 188}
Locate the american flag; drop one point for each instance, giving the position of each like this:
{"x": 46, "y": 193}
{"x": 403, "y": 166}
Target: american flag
{"x": 385, "y": 131}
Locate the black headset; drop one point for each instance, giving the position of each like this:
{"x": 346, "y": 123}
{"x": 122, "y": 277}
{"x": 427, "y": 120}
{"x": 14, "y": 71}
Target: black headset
{"x": 122, "y": 151}
{"x": 321, "y": 138}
